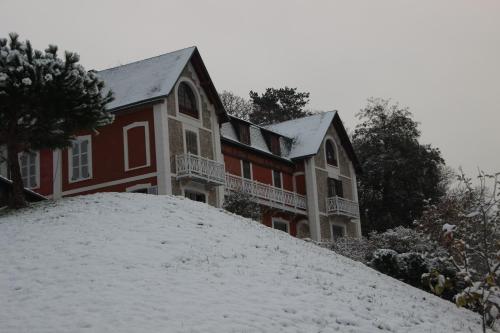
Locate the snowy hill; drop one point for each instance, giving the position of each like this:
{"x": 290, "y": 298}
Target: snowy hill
{"x": 143, "y": 263}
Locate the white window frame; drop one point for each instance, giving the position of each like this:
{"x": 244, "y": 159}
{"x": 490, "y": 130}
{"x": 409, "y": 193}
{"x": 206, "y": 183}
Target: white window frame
{"x": 251, "y": 169}
{"x": 281, "y": 178}
{"x": 281, "y": 220}
{"x": 147, "y": 148}
{"x": 146, "y": 186}
{"x": 336, "y": 147}
{"x": 344, "y": 232}
{"x": 70, "y": 159}
{"x": 37, "y": 168}
{"x": 188, "y": 118}
{"x": 191, "y": 129}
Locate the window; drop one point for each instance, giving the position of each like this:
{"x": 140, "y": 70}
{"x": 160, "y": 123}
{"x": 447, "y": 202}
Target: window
{"x": 337, "y": 232}
{"x": 80, "y": 159}
{"x": 281, "y": 225}
{"x": 335, "y": 188}
{"x": 247, "y": 169}
{"x": 277, "y": 178}
{"x": 187, "y": 100}
{"x": 29, "y": 164}
{"x": 244, "y": 134}
{"x": 136, "y": 145}
{"x": 192, "y": 142}
{"x": 143, "y": 188}
{"x": 275, "y": 145}
{"x": 331, "y": 156}
{"x": 195, "y": 196}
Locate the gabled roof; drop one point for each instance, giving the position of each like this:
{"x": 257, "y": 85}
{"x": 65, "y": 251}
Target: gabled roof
{"x": 308, "y": 134}
{"x": 154, "y": 78}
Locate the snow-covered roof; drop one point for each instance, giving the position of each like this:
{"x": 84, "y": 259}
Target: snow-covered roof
{"x": 307, "y": 132}
{"x": 154, "y": 78}
{"x": 257, "y": 140}
{"x": 27, "y": 191}
{"x": 145, "y": 79}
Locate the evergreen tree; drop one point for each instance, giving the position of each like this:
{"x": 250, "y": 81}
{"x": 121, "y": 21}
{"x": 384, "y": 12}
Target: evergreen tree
{"x": 277, "y": 105}
{"x": 43, "y": 101}
{"x": 399, "y": 174}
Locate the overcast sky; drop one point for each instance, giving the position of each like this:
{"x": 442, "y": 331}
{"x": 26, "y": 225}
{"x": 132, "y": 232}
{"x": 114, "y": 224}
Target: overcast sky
{"x": 440, "y": 58}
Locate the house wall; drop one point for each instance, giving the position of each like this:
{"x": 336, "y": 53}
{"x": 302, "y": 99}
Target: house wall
{"x": 208, "y": 136}
{"x": 108, "y": 156}
{"x": 343, "y": 173}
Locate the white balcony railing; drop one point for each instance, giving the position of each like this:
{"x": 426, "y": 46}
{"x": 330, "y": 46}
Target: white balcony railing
{"x": 266, "y": 194}
{"x": 341, "y": 206}
{"x": 200, "y": 168}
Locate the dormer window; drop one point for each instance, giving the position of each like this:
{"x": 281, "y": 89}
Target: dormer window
{"x": 275, "y": 145}
{"x": 244, "y": 134}
{"x": 187, "y": 100}
{"x": 331, "y": 154}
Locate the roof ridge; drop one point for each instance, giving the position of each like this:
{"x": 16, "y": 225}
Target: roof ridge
{"x": 296, "y": 119}
{"x": 136, "y": 61}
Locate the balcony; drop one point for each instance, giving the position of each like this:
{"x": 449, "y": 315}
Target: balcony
{"x": 341, "y": 206}
{"x": 266, "y": 194}
{"x": 199, "y": 169}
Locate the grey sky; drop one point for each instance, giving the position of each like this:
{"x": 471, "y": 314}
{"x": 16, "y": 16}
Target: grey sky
{"x": 440, "y": 58}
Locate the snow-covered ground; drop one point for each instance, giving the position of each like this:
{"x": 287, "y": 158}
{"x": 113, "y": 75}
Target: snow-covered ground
{"x": 143, "y": 263}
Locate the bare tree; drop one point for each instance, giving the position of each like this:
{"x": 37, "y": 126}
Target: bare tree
{"x": 235, "y": 105}
{"x": 476, "y": 247}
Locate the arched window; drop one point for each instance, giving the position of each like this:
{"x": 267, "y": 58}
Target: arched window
{"x": 187, "y": 100}
{"x": 331, "y": 155}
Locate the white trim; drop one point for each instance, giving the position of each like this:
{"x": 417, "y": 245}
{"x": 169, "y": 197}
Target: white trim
{"x": 312, "y": 199}
{"x": 57, "y": 173}
{"x": 80, "y": 139}
{"x": 111, "y": 183}
{"x": 162, "y": 148}
{"x": 185, "y": 117}
{"x": 147, "y": 148}
{"x": 343, "y": 226}
{"x": 281, "y": 220}
{"x": 37, "y": 168}
{"x": 217, "y": 153}
{"x": 251, "y": 169}
{"x": 138, "y": 187}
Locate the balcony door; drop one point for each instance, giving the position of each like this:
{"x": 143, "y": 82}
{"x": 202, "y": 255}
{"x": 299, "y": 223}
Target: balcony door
{"x": 191, "y": 142}
{"x": 335, "y": 188}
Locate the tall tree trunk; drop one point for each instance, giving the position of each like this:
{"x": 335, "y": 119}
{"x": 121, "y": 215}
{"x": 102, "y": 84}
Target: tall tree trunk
{"x": 17, "y": 199}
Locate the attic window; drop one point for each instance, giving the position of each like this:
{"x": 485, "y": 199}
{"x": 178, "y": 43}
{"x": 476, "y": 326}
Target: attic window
{"x": 275, "y": 145}
{"x": 244, "y": 134}
{"x": 187, "y": 100}
{"x": 331, "y": 155}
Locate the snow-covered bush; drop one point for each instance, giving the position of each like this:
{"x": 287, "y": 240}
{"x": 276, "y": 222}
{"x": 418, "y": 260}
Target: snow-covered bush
{"x": 402, "y": 240}
{"x": 242, "y": 203}
{"x": 359, "y": 249}
{"x": 408, "y": 267}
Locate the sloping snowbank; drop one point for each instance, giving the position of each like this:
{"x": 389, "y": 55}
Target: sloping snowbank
{"x": 143, "y": 263}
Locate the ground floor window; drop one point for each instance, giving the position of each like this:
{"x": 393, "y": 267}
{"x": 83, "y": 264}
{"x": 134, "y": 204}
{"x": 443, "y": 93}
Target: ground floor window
{"x": 337, "y": 232}
{"x": 195, "y": 196}
{"x": 281, "y": 225}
